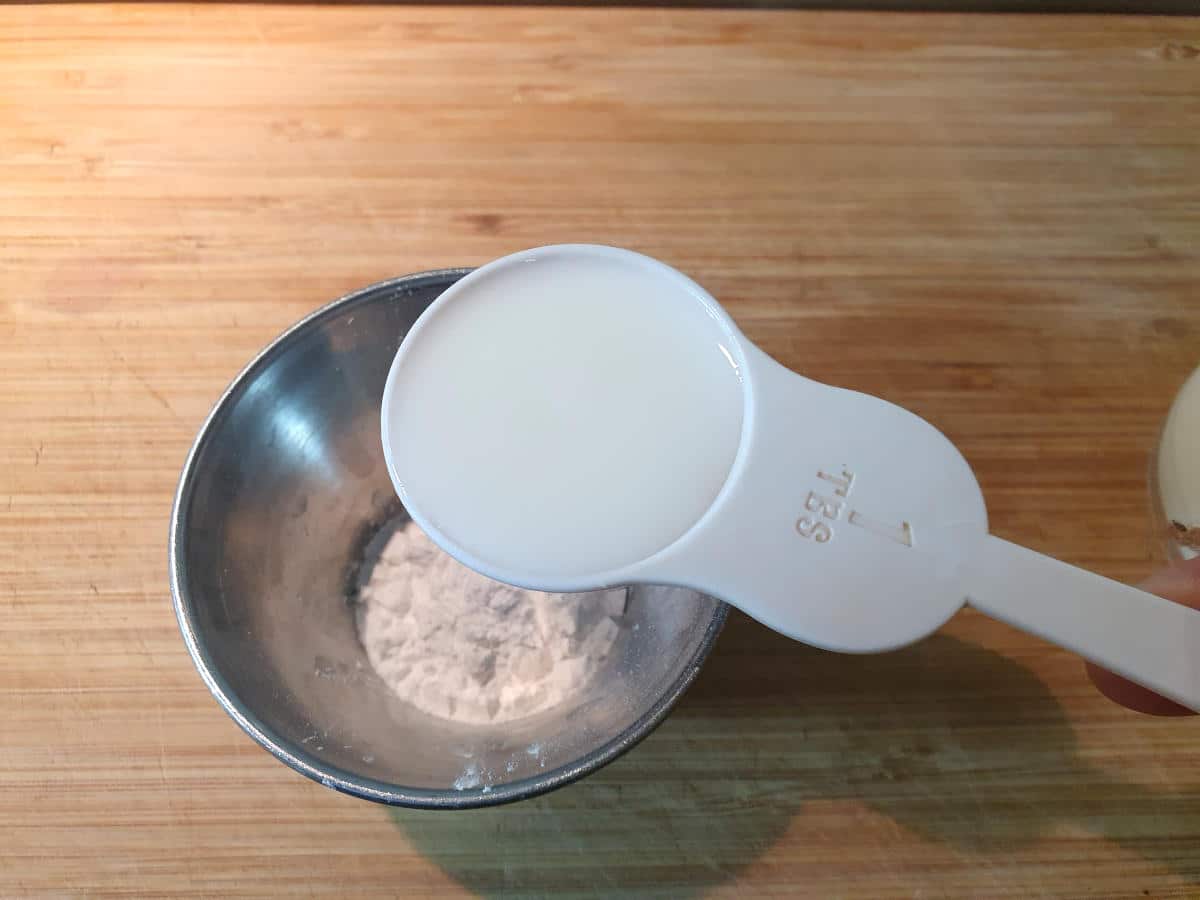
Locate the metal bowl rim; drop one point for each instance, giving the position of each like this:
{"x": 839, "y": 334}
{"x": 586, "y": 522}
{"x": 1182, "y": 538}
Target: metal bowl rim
{"x": 288, "y": 752}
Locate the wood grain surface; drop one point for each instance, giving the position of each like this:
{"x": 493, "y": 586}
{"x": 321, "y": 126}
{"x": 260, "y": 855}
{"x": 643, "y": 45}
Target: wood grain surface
{"x": 994, "y": 221}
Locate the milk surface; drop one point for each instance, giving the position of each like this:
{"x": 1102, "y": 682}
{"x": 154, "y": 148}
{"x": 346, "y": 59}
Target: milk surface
{"x": 565, "y": 414}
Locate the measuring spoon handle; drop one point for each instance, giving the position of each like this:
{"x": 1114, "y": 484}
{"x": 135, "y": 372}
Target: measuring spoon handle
{"x": 1141, "y": 636}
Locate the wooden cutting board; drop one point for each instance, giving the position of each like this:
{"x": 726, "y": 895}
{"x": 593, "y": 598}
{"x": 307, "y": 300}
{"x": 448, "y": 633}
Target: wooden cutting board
{"x": 994, "y": 221}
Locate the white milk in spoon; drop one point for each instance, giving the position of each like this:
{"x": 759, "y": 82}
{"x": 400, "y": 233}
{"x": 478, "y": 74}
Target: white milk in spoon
{"x": 566, "y": 412}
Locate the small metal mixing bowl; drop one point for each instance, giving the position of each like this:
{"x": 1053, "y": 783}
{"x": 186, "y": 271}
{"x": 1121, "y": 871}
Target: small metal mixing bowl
{"x": 281, "y": 493}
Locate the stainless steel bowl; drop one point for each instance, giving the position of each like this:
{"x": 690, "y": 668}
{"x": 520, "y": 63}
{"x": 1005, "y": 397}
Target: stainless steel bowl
{"x": 283, "y": 489}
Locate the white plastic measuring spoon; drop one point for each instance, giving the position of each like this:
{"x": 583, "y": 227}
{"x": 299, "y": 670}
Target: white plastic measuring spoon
{"x": 576, "y": 417}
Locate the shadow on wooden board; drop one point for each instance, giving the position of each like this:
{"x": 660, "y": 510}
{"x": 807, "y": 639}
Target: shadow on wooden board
{"x": 971, "y": 752}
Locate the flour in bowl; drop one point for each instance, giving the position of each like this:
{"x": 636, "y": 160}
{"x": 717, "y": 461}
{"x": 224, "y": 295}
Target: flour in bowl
{"x": 460, "y": 646}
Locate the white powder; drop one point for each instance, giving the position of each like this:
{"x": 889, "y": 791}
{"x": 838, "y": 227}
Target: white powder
{"x": 460, "y": 646}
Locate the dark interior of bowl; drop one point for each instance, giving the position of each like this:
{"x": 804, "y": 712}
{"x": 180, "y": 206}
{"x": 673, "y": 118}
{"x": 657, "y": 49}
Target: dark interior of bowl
{"x": 284, "y": 489}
